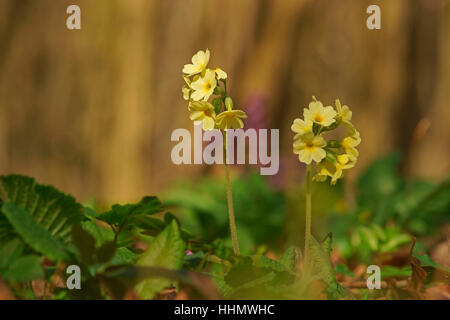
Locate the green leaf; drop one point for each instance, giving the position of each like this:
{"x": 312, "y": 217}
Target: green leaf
{"x": 95, "y": 231}
{"x": 395, "y": 241}
{"x": 106, "y": 252}
{"x": 327, "y": 243}
{"x": 85, "y": 244}
{"x": 168, "y": 217}
{"x": 426, "y": 261}
{"x": 222, "y": 286}
{"x": 9, "y": 252}
{"x": 53, "y": 210}
{"x": 370, "y": 237}
{"x": 288, "y": 258}
{"x": 324, "y": 268}
{"x": 391, "y": 271}
{"x": 343, "y": 269}
{"x": 261, "y": 261}
{"x": 25, "y": 268}
{"x": 151, "y": 226}
{"x": 123, "y": 256}
{"x": 34, "y": 234}
{"x": 165, "y": 251}
{"x": 250, "y": 271}
{"x": 121, "y": 214}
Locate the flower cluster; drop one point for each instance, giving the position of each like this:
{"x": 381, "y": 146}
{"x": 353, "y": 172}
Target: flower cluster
{"x": 332, "y": 157}
{"x": 201, "y": 84}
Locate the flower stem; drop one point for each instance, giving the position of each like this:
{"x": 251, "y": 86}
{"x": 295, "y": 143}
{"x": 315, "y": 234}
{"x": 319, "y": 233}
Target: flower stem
{"x": 230, "y": 203}
{"x": 308, "y": 213}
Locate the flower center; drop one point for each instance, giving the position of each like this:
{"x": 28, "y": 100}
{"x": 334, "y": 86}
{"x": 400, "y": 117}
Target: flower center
{"x": 318, "y": 118}
{"x": 207, "y": 86}
{"x": 310, "y": 146}
{"x": 208, "y": 113}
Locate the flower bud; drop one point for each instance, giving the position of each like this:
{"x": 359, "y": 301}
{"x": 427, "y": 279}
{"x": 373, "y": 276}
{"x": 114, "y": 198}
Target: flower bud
{"x": 229, "y": 103}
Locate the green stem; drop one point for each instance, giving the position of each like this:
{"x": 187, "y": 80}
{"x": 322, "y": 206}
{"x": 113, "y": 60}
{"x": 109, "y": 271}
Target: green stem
{"x": 230, "y": 202}
{"x": 308, "y": 213}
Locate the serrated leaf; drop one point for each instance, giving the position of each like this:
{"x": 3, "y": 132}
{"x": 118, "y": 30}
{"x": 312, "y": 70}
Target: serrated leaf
{"x": 326, "y": 244}
{"x": 123, "y": 256}
{"x": 324, "y": 268}
{"x": 288, "y": 258}
{"x": 165, "y": 251}
{"x": 261, "y": 261}
{"x": 244, "y": 271}
{"x": 222, "y": 286}
{"x": 53, "y": 210}
{"x": 25, "y": 268}
{"x": 9, "y": 252}
{"x": 33, "y": 234}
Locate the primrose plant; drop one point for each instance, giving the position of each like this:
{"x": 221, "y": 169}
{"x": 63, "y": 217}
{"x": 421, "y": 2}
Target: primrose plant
{"x": 331, "y": 157}
{"x": 203, "y": 84}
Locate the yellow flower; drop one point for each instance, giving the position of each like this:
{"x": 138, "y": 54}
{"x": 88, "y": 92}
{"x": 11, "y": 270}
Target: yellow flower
{"x": 343, "y": 112}
{"x": 309, "y": 147}
{"x": 319, "y": 114}
{"x": 342, "y": 163}
{"x": 220, "y": 74}
{"x": 324, "y": 169}
{"x": 199, "y": 63}
{"x": 231, "y": 119}
{"x": 204, "y": 86}
{"x": 301, "y": 126}
{"x": 334, "y": 169}
{"x": 203, "y": 111}
{"x": 349, "y": 143}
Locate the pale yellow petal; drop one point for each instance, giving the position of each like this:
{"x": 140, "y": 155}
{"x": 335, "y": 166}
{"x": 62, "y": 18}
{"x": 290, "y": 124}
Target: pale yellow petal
{"x": 208, "y": 123}
{"x": 305, "y": 157}
{"x": 318, "y": 154}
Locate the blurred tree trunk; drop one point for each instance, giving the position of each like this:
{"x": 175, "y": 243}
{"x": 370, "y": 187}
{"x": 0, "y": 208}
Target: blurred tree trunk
{"x": 92, "y": 110}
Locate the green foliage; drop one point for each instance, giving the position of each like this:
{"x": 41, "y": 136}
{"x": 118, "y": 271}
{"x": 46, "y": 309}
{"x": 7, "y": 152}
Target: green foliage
{"x": 389, "y": 208}
{"x": 16, "y": 267}
{"x": 202, "y": 208}
{"x": 367, "y": 240}
{"x": 165, "y": 251}
{"x": 119, "y": 215}
{"x": 88, "y": 252}
{"x": 288, "y": 258}
{"x": 52, "y": 210}
{"x": 257, "y": 276}
{"x": 343, "y": 269}
{"x": 320, "y": 257}
{"x": 38, "y": 221}
{"x": 122, "y": 217}
{"x": 34, "y": 234}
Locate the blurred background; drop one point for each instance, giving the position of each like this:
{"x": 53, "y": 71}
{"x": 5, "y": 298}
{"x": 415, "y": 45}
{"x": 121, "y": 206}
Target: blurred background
{"x": 91, "y": 111}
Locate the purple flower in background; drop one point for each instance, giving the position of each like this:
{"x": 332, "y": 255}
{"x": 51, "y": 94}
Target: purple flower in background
{"x": 256, "y": 111}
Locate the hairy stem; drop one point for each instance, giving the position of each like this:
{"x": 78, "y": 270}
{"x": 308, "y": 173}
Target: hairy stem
{"x": 230, "y": 202}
